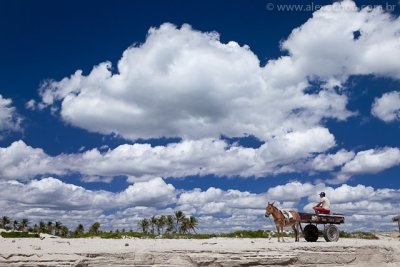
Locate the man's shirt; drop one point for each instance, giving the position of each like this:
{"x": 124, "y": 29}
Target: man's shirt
{"x": 326, "y": 204}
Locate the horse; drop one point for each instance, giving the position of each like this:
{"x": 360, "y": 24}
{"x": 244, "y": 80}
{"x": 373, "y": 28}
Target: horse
{"x": 280, "y": 220}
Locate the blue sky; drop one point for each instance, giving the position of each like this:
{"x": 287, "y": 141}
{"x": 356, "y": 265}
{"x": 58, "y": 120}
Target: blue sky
{"x": 112, "y": 112}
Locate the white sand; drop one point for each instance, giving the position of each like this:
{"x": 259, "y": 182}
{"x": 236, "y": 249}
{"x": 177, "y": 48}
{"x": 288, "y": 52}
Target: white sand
{"x": 206, "y": 252}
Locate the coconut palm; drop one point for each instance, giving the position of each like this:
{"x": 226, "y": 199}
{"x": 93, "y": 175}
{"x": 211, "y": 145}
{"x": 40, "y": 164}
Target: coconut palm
{"x": 35, "y": 228}
{"x": 193, "y": 222}
{"x": 64, "y": 231}
{"x": 94, "y": 229}
{"x": 15, "y": 225}
{"x": 80, "y": 230}
{"x": 184, "y": 226}
{"x": 23, "y": 225}
{"x": 144, "y": 225}
{"x": 179, "y": 217}
{"x": 161, "y": 223}
{"x": 42, "y": 227}
{"x": 170, "y": 224}
{"x": 153, "y": 223}
{"x": 5, "y": 220}
{"x": 50, "y": 227}
{"x": 57, "y": 228}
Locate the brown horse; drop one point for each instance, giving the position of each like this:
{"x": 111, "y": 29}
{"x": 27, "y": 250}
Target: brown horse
{"x": 281, "y": 221}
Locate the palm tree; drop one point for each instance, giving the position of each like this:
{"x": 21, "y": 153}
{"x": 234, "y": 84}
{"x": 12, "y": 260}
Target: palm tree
{"x": 64, "y": 231}
{"x": 50, "y": 227}
{"x": 179, "y": 217}
{"x": 161, "y": 222}
{"x": 170, "y": 224}
{"x": 36, "y": 228}
{"x": 184, "y": 226}
{"x": 94, "y": 229}
{"x": 15, "y": 225}
{"x": 23, "y": 225}
{"x": 42, "y": 227}
{"x": 57, "y": 228}
{"x": 144, "y": 225}
{"x": 79, "y": 231}
{"x": 5, "y": 221}
{"x": 193, "y": 222}
{"x": 153, "y": 223}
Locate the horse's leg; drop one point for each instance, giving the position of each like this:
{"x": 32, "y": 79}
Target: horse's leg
{"x": 295, "y": 231}
{"x": 283, "y": 239}
{"x": 298, "y": 231}
{"x": 277, "y": 230}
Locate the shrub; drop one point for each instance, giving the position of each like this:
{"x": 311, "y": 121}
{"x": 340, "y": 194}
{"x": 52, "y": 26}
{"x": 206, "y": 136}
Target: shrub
{"x": 250, "y": 234}
{"x": 359, "y": 235}
{"x": 19, "y": 235}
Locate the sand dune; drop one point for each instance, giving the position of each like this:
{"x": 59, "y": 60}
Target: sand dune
{"x": 207, "y": 252}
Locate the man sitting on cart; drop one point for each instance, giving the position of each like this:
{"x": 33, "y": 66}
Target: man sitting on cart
{"x": 324, "y": 204}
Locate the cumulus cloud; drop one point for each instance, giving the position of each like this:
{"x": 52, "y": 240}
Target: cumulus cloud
{"x": 22, "y": 162}
{"x": 9, "y": 118}
{"x": 140, "y": 162}
{"x": 294, "y": 152}
{"x": 185, "y": 83}
{"x": 219, "y": 202}
{"x": 328, "y": 162}
{"x": 333, "y": 54}
{"x": 373, "y": 161}
{"x": 292, "y": 191}
{"x": 53, "y": 193}
{"x": 387, "y": 107}
{"x": 153, "y": 193}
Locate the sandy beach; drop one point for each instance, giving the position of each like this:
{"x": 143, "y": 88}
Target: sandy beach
{"x": 205, "y": 252}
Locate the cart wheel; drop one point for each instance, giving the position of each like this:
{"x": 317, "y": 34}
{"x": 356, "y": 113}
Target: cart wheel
{"x": 311, "y": 233}
{"x": 331, "y": 233}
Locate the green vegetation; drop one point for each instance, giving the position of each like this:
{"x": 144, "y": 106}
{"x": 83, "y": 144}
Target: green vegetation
{"x": 250, "y": 234}
{"x": 358, "y": 235}
{"x": 18, "y": 235}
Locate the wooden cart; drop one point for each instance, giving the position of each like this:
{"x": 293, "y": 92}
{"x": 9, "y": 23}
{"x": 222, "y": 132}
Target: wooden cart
{"x": 311, "y": 232}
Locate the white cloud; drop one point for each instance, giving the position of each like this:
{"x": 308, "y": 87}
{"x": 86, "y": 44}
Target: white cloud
{"x": 373, "y": 161}
{"x": 219, "y": 202}
{"x": 186, "y": 83}
{"x": 387, "y": 107}
{"x": 55, "y": 194}
{"x": 22, "y": 162}
{"x": 328, "y": 162}
{"x": 153, "y": 193}
{"x": 52, "y": 193}
{"x": 9, "y": 119}
{"x": 333, "y": 54}
{"x": 292, "y": 191}
{"x": 294, "y": 152}
{"x": 31, "y": 104}
{"x": 140, "y": 162}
